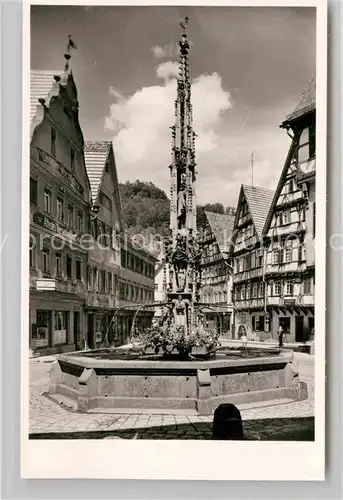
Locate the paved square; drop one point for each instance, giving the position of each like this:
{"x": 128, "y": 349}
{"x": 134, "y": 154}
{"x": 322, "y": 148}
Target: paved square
{"x": 270, "y": 420}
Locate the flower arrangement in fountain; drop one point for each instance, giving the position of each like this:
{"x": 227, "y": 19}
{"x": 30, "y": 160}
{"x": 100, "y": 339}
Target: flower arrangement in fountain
{"x": 172, "y": 339}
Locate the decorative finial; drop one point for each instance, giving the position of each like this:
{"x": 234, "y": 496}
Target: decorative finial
{"x": 184, "y": 25}
{"x": 71, "y": 45}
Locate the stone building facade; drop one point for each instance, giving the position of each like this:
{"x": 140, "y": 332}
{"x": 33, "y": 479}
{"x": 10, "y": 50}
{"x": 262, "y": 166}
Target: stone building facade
{"x": 89, "y": 282}
{"x": 60, "y": 200}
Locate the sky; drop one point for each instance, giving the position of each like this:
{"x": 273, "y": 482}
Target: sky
{"x": 248, "y": 67}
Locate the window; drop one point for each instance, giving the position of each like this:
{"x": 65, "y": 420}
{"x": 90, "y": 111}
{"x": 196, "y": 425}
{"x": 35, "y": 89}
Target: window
{"x": 102, "y": 281}
{"x": 275, "y": 256}
{"x": 70, "y": 215}
{"x": 72, "y": 160}
{"x": 69, "y": 267}
{"x": 32, "y": 256}
{"x": 58, "y": 264}
{"x": 53, "y": 141}
{"x": 288, "y": 254}
{"x": 33, "y": 191}
{"x": 307, "y": 286}
{"x": 248, "y": 291}
{"x": 60, "y": 327}
{"x": 277, "y": 287}
{"x": 267, "y": 323}
{"x": 243, "y": 292}
{"x": 43, "y": 328}
{"x": 287, "y": 217}
{"x": 78, "y": 269}
{"x": 254, "y": 291}
{"x": 46, "y": 260}
{"x": 289, "y": 287}
{"x": 301, "y": 253}
{"x": 253, "y": 260}
{"x": 291, "y": 186}
{"x": 258, "y": 323}
{"x": 280, "y": 256}
{"x": 261, "y": 289}
{"x": 79, "y": 221}
{"x": 90, "y": 278}
{"x": 109, "y": 283}
{"x": 60, "y": 215}
{"x": 312, "y": 137}
{"x": 47, "y": 201}
{"x": 260, "y": 258}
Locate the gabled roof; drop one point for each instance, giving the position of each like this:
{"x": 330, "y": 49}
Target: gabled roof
{"x": 307, "y": 101}
{"x": 42, "y": 83}
{"x": 259, "y": 201}
{"x": 96, "y": 155}
{"x": 222, "y": 228}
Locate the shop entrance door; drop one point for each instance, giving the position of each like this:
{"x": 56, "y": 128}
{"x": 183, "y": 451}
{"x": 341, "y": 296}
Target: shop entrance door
{"x": 299, "y": 329}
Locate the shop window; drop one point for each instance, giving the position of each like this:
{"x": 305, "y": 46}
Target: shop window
{"x": 43, "y": 328}
{"x": 33, "y": 191}
{"x": 267, "y": 323}
{"x": 60, "y": 327}
{"x": 47, "y": 201}
{"x": 258, "y": 323}
{"x": 78, "y": 269}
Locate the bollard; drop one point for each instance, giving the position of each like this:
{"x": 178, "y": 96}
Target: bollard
{"x": 227, "y": 423}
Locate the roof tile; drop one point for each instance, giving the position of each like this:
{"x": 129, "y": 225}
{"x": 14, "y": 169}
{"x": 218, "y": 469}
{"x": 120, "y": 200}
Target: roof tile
{"x": 259, "y": 201}
{"x": 307, "y": 100}
{"x": 222, "y": 228}
{"x": 96, "y": 153}
{"x": 41, "y": 84}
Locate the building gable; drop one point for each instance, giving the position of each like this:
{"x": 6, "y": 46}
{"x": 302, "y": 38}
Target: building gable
{"x": 102, "y": 173}
{"x": 56, "y": 136}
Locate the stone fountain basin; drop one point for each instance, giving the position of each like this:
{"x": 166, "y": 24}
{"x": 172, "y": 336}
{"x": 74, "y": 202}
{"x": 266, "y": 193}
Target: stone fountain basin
{"x": 200, "y": 385}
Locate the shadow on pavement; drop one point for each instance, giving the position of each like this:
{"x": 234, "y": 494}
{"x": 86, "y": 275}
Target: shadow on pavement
{"x": 268, "y": 429}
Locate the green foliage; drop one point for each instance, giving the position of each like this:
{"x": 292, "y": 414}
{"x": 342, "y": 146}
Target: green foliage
{"x": 146, "y": 208}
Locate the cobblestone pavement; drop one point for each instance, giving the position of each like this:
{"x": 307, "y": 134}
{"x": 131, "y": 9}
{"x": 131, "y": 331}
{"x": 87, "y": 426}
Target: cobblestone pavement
{"x": 279, "y": 420}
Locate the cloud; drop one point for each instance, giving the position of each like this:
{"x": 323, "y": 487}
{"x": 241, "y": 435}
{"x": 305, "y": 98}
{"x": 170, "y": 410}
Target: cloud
{"x": 166, "y": 51}
{"x": 142, "y": 137}
{"x": 167, "y": 70}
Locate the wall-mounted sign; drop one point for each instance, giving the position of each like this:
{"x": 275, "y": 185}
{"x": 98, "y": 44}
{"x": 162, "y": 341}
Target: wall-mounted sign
{"x": 43, "y": 284}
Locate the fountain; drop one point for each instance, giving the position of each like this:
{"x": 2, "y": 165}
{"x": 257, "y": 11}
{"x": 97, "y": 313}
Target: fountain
{"x": 179, "y": 365}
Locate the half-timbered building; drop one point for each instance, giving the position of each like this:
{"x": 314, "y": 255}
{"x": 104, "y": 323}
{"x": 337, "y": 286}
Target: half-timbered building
{"x": 290, "y": 228}
{"x": 247, "y": 254}
{"x": 216, "y": 271}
